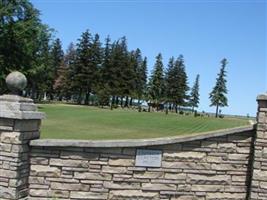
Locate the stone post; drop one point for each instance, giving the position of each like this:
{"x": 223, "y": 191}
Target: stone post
{"x": 259, "y": 174}
{"x": 19, "y": 123}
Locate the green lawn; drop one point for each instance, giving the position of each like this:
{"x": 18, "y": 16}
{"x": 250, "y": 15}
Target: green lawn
{"x": 83, "y": 122}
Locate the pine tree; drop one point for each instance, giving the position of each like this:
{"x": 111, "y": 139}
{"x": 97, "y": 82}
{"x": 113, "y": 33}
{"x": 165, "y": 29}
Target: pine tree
{"x": 106, "y": 76}
{"x": 60, "y": 81}
{"x": 181, "y": 95}
{"x": 134, "y": 65}
{"x": 69, "y": 60}
{"x": 143, "y": 77}
{"x": 57, "y": 59}
{"x": 141, "y": 74}
{"x": 96, "y": 61}
{"x": 194, "y": 95}
{"x": 128, "y": 75}
{"x": 156, "y": 82}
{"x": 85, "y": 69}
{"x": 23, "y": 53}
{"x": 121, "y": 70}
{"x": 38, "y": 75}
{"x": 218, "y": 94}
{"x": 115, "y": 82}
{"x": 171, "y": 82}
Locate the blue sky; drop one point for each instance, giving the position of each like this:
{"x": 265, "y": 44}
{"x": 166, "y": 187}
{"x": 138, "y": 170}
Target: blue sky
{"x": 203, "y": 31}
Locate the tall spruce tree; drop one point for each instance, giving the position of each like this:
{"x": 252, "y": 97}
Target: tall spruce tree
{"x": 171, "y": 80}
{"x": 218, "y": 94}
{"x": 106, "y": 76}
{"x": 122, "y": 71}
{"x": 156, "y": 82}
{"x": 96, "y": 61}
{"x": 57, "y": 58}
{"x": 182, "y": 84}
{"x": 134, "y": 65}
{"x": 194, "y": 95}
{"x": 38, "y": 75}
{"x": 21, "y": 40}
{"x": 69, "y": 60}
{"x": 60, "y": 81}
{"x": 142, "y": 73}
{"x": 138, "y": 75}
{"x": 85, "y": 69}
{"x": 127, "y": 82}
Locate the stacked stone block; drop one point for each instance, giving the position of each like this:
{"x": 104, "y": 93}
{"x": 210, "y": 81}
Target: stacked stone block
{"x": 208, "y": 169}
{"x": 259, "y": 180}
{"x": 19, "y": 123}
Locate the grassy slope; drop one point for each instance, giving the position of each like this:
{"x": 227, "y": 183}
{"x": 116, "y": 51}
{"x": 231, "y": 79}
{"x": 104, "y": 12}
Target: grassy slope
{"x": 82, "y": 122}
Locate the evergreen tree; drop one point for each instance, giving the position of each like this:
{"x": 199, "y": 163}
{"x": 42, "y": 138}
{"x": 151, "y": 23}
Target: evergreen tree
{"x": 143, "y": 77}
{"x": 176, "y": 82}
{"x": 39, "y": 74}
{"x": 128, "y": 75}
{"x": 134, "y": 78}
{"x": 60, "y": 81}
{"x": 156, "y": 82}
{"x": 194, "y": 96}
{"x": 181, "y": 95}
{"x": 96, "y": 62}
{"x": 85, "y": 69}
{"x": 121, "y": 82}
{"x": 218, "y": 94}
{"x": 20, "y": 40}
{"x": 141, "y": 74}
{"x": 57, "y": 65}
{"x": 171, "y": 80}
{"x": 69, "y": 60}
{"x": 106, "y": 76}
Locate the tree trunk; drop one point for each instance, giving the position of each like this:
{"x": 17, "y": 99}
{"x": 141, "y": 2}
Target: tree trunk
{"x": 167, "y": 109}
{"x": 45, "y": 97}
{"x": 131, "y": 102}
{"x": 126, "y": 102}
{"x": 121, "y": 102}
{"x": 217, "y": 108}
{"x": 117, "y": 100}
{"x": 51, "y": 96}
{"x": 87, "y": 96}
{"x": 112, "y": 102}
{"x": 176, "y": 109}
{"x": 80, "y": 97}
{"x": 33, "y": 91}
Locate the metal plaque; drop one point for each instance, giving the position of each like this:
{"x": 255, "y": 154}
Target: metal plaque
{"x": 148, "y": 158}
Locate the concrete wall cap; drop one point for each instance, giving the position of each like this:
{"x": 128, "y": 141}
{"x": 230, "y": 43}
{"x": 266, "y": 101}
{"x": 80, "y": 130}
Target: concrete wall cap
{"x": 17, "y": 107}
{"x": 138, "y": 142}
{"x": 262, "y": 97}
{"x": 15, "y": 98}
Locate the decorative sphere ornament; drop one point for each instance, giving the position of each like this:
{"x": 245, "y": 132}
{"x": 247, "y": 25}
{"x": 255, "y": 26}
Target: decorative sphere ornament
{"x": 16, "y": 82}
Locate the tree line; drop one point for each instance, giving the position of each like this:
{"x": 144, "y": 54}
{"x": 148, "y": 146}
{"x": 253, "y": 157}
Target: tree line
{"x": 90, "y": 72}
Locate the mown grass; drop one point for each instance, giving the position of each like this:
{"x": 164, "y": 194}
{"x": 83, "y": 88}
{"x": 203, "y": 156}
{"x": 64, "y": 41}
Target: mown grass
{"x": 92, "y": 123}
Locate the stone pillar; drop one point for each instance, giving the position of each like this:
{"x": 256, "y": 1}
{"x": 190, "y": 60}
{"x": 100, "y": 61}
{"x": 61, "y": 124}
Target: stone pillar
{"x": 259, "y": 174}
{"x": 19, "y": 123}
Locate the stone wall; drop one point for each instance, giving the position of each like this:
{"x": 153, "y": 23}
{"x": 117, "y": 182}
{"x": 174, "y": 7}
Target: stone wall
{"x": 259, "y": 181}
{"x": 19, "y": 124}
{"x": 204, "y": 169}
